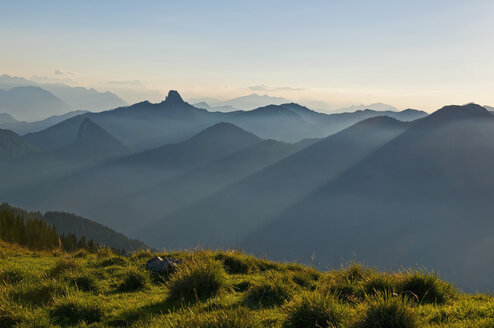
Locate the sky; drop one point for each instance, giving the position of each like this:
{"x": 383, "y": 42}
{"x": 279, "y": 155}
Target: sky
{"x": 411, "y": 54}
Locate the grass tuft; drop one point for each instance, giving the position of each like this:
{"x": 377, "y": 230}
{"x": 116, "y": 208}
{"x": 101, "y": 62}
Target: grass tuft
{"x": 73, "y": 310}
{"x": 197, "y": 279}
{"x": 274, "y": 289}
{"x": 306, "y": 279}
{"x": 12, "y": 276}
{"x": 385, "y": 310}
{"x": 39, "y": 294}
{"x": 134, "y": 280}
{"x": 8, "y": 318}
{"x": 114, "y": 260}
{"x": 314, "y": 309}
{"x": 62, "y": 266}
{"x": 85, "y": 282}
{"x": 236, "y": 262}
{"x": 356, "y": 272}
{"x": 104, "y": 252}
{"x": 380, "y": 283}
{"x": 426, "y": 287}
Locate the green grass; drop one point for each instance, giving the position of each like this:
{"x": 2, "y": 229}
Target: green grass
{"x": 199, "y": 278}
{"x": 273, "y": 289}
{"x": 388, "y": 310}
{"x": 223, "y": 289}
{"x": 426, "y": 287}
{"x": 73, "y": 310}
{"x": 315, "y": 309}
{"x": 135, "y": 280}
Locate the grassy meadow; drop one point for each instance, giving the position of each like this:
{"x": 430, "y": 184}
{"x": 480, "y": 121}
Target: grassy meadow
{"x": 222, "y": 289}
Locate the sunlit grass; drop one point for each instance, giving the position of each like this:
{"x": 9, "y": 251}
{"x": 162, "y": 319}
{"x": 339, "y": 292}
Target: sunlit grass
{"x": 222, "y": 289}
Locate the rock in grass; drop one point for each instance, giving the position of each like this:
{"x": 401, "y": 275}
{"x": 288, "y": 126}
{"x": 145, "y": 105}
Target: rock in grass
{"x": 161, "y": 265}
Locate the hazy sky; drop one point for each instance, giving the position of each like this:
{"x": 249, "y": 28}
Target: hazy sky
{"x": 420, "y": 53}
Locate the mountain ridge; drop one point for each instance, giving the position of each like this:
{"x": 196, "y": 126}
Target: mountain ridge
{"x": 441, "y": 164}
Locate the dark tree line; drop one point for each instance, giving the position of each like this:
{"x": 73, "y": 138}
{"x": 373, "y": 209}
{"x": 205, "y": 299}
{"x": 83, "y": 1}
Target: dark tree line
{"x": 37, "y": 234}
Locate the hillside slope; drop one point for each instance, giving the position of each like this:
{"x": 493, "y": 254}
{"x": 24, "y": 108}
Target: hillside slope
{"x": 193, "y": 184}
{"x": 13, "y": 146}
{"x": 222, "y": 289}
{"x": 421, "y": 198}
{"x": 23, "y": 127}
{"x": 226, "y": 217}
{"x": 123, "y": 176}
{"x": 67, "y": 223}
{"x": 93, "y": 146}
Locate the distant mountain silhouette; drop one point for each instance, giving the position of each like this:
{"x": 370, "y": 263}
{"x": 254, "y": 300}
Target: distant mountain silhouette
{"x": 7, "y": 119}
{"x": 489, "y": 108}
{"x": 423, "y": 198}
{"x": 145, "y": 125}
{"x": 142, "y": 125}
{"x": 253, "y": 101}
{"x": 223, "y": 218}
{"x": 223, "y": 108}
{"x": 375, "y": 106}
{"x": 23, "y": 127}
{"x": 75, "y": 97}
{"x": 292, "y": 122}
{"x": 13, "y": 146}
{"x": 31, "y": 103}
{"x": 247, "y": 102}
{"x": 84, "y": 99}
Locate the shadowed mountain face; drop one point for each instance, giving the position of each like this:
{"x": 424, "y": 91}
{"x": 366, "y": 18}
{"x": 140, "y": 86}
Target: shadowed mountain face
{"x": 227, "y": 216}
{"x": 93, "y": 143}
{"x": 122, "y": 177}
{"x": 182, "y": 190}
{"x": 27, "y": 103}
{"x": 144, "y": 125}
{"x": 423, "y": 198}
{"x": 93, "y": 146}
{"x": 12, "y": 145}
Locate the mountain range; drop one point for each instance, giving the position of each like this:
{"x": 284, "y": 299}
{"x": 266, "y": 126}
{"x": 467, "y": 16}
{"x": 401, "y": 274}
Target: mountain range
{"x": 28, "y": 100}
{"x": 23, "y": 127}
{"x": 146, "y": 125}
{"x": 388, "y": 188}
{"x": 248, "y": 102}
{"x": 422, "y": 198}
